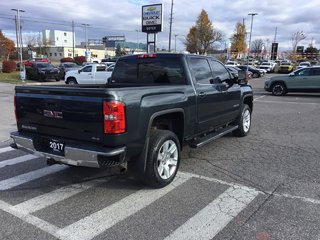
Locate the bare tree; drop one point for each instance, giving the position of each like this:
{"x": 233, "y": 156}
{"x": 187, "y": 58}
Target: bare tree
{"x": 257, "y": 46}
{"x": 295, "y": 39}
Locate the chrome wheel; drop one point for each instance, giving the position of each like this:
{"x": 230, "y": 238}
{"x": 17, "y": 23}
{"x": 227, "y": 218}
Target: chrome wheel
{"x": 246, "y": 120}
{"x": 167, "y": 159}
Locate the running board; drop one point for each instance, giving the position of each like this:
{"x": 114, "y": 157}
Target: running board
{"x": 212, "y": 136}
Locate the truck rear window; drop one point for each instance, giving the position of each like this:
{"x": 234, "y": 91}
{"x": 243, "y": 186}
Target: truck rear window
{"x": 167, "y": 71}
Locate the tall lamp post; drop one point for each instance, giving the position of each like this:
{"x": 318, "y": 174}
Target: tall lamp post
{"x": 19, "y": 39}
{"x": 250, "y": 14}
{"x": 175, "y": 42}
{"x": 86, "y": 40}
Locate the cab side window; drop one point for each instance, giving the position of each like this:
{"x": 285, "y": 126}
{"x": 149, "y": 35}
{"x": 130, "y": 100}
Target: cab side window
{"x": 200, "y": 70}
{"x": 219, "y": 72}
{"x": 87, "y": 69}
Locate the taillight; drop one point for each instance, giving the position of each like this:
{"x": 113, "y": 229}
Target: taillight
{"x": 114, "y": 117}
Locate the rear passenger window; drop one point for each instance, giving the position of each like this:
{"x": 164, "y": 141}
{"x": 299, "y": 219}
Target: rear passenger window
{"x": 201, "y": 70}
{"x": 101, "y": 68}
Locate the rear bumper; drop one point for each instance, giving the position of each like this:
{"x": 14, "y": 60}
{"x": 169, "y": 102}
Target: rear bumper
{"x": 76, "y": 155}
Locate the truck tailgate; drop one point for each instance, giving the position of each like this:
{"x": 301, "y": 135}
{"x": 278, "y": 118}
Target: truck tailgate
{"x": 70, "y": 113}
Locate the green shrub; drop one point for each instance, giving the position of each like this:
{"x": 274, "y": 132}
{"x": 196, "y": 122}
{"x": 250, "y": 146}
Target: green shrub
{"x": 9, "y": 66}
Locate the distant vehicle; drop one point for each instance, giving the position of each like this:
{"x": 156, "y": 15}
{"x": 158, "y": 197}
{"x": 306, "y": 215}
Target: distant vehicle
{"x": 255, "y": 71}
{"x": 29, "y": 62}
{"x": 67, "y": 66}
{"x": 232, "y": 63}
{"x": 302, "y": 80}
{"x": 285, "y": 67}
{"x": 42, "y": 71}
{"x": 90, "y": 74}
{"x": 304, "y": 64}
{"x": 268, "y": 66}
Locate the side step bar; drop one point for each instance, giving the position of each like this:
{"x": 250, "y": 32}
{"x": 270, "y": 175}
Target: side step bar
{"x": 212, "y": 136}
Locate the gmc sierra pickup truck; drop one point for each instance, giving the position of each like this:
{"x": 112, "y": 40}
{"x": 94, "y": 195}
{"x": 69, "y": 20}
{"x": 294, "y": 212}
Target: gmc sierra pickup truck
{"x": 152, "y": 105}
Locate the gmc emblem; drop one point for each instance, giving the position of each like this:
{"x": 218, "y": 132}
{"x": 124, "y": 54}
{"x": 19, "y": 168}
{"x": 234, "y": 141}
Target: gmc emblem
{"x": 52, "y": 114}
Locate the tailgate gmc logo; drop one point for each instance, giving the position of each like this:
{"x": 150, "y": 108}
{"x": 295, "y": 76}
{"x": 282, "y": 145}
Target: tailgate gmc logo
{"x": 52, "y": 114}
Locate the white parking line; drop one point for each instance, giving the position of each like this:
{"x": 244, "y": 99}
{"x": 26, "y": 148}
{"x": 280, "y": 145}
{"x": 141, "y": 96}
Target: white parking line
{"x": 17, "y": 160}
{"x": 96, "y": 223}
{"x": 302, "y": 103}
{"x": 32, "y": 220}
{"x": 53, "y": 197}
{"x": 215, "y": 216}
{"x": 27, "y": 177}
{"x": 259, "y": 98}
{"x": 6, "y": 149}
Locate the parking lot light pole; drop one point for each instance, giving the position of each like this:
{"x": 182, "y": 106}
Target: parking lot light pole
{"x": 250, "y": 14}
{"x": 86, "y": 38}
{"x": 19, "y": 42}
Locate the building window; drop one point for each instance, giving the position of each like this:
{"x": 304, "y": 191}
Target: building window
{"x": 65, "y": 41}
{"x": 57, "y": 39}
{"x": 69, "y": 55}
{"x": 50, "y": 54}
{"x": 60, "y": 54}
{"x": 77, "y": 55}
{"x": 65, "y": 34}
{"x": 55, "y": 54}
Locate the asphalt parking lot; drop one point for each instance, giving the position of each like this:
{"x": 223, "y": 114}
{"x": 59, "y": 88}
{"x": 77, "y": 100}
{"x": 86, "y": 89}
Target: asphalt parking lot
{"x": 263, "y": 186}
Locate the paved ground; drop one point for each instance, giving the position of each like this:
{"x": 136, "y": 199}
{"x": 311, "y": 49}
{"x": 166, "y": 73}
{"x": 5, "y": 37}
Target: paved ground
{"x": 263, "y": 186}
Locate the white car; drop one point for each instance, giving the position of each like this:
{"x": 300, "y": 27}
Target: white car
{"x": 232, "y": 63}
{"x": 304, "y": 64}
{"x": 89, "y": 74}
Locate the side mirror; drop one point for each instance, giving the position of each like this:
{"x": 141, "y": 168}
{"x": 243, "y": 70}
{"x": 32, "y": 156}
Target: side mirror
{"x": 242, "y": 76}
{"x": 79, "y": 71}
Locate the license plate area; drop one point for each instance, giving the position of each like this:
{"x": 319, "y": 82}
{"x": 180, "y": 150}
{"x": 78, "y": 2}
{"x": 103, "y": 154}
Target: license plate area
{"x": 49, "y": 145}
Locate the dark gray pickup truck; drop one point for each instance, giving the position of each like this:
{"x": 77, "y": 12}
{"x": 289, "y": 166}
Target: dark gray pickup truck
{"x": 152, "y": 105}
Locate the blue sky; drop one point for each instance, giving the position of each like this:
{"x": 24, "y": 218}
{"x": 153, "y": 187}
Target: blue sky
{"x": 123, "y": 17}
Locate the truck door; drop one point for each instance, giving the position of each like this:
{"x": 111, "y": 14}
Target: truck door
{"x": 208, "y": 95}
{"x": 100, "y": 76}
{"x": 229, "y": 108}
{"x": 86, "y": 75}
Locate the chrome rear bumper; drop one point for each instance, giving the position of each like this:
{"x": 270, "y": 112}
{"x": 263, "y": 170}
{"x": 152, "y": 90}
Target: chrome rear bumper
{"x": 73, "y": 155}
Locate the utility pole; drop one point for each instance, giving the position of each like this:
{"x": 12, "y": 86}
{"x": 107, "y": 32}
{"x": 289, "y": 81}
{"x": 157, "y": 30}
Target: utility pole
{"x": 19, "y": 39}
{"x": 72, "y": 39}
{"x": 251, "y": 14}
{"x": 175, "y": 42}
{"x": 86, "y": 40}
{"x": 170, "y": 25}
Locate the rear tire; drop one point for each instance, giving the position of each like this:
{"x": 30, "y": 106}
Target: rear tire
{"x": 244, "y": 122}
{"x": 163, "y": 159}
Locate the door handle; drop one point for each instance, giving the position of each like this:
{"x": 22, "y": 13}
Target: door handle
{"x": 202, "y": 94}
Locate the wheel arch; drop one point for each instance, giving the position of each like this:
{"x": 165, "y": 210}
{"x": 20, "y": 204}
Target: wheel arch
{"x": 171, "y": 119}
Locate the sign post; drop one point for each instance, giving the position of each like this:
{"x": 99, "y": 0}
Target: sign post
{"x": 152, "y": 23}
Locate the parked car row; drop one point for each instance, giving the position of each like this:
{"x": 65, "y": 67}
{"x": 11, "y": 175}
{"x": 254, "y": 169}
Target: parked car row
{"x": 43, "y": 71}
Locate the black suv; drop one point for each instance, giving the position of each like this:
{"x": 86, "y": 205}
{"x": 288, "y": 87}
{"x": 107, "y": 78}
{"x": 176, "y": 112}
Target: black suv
{"x": 42, "y": 71}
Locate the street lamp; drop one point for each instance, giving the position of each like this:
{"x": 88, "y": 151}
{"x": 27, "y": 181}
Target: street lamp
{"x": 19, "y": 37}
{"x": 250, "y": 14}
{"x": 86, "y": 40}
{"x": 175, "y": 42}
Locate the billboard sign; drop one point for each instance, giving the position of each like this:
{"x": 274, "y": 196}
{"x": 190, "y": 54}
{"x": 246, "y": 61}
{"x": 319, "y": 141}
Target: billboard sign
{"x": 152, "y": 18}
{"x": 274, "y": 51}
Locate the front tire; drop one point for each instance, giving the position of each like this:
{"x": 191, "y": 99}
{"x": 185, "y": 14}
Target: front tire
{"x": 72, "y": 81}
{"x": 244, "y": 122}
{"x": 278, "y": 89}
{"x": 163, "y": 158}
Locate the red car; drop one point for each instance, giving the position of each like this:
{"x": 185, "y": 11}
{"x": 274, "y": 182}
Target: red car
{"x": 29, "y": 62}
